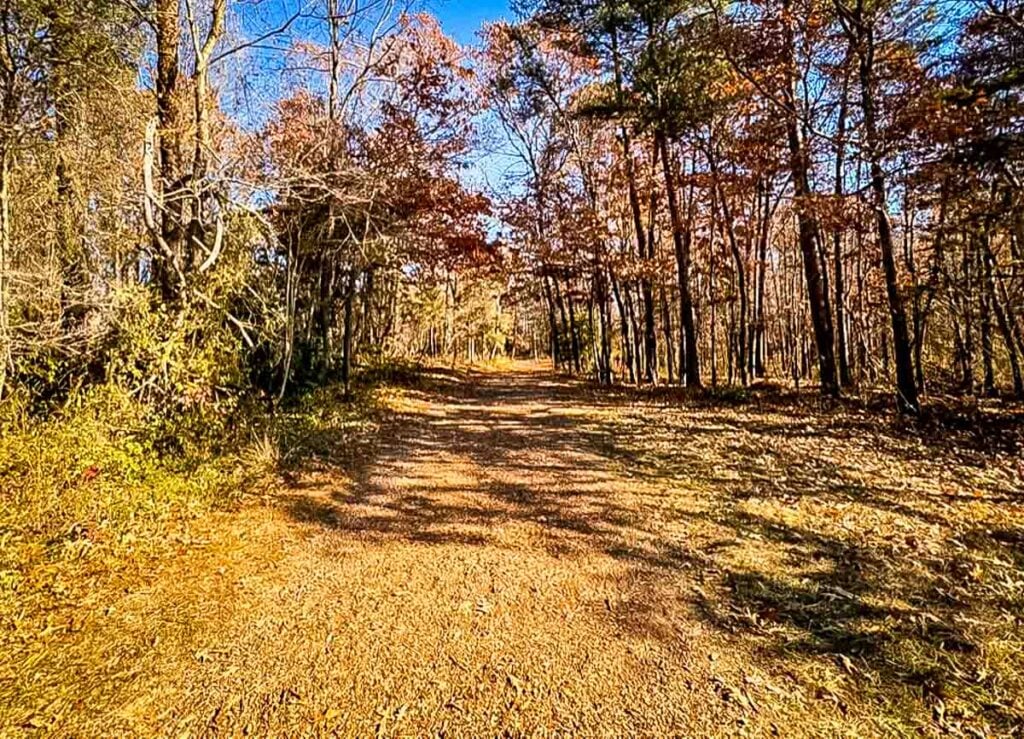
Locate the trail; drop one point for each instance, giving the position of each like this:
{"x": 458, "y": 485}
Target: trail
{"x": 495, "y": 569}
{"x": 482, "y": 575}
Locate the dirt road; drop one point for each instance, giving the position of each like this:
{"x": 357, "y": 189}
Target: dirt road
{"x": 500, "y": 567}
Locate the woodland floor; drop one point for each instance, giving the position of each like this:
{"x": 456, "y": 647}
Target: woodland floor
{"x": 520, "y": 555}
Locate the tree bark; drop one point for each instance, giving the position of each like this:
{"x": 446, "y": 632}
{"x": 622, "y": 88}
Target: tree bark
{"x": 760, "y": 333}
{"x": 560, "y": 302}
{"x": 987, "y": 348}
{"x": 202, "y": 143}
{"x": 681, "y": 240}
{"x": 5, "y": 255}
{"x": 839, "y": 278}
{"x": 556, "y": 348}
{"x": 169, "y": 121}
{"x": 69, "y": 247}
{"x": 1003, "y": 320}
{"x": 799, "y": 164}
{"x": 574, "y": 334}
{"x": 346, "y": 343}
{"x": 906, "y": 383}
{"x": 741, "y": 271}
{"x": 666, "y": 321}
{"x": 650, "y": 337}
{"x": 627, "y": 342}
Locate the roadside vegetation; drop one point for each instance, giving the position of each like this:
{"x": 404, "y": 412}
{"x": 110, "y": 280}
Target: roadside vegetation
{"x": 636, "y": 367}
{"x": 879, "y": 562}
{"x": 535, "y": 554}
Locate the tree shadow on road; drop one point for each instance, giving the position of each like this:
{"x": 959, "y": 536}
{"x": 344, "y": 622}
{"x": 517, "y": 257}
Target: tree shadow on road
{"x": 885, "y": 573}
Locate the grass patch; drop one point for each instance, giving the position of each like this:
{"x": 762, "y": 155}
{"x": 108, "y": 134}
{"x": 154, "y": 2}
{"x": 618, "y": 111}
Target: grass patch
{"x": 104, "y": 481}
{"x": 92, "y": 474}
{"x": 882, "y": 566}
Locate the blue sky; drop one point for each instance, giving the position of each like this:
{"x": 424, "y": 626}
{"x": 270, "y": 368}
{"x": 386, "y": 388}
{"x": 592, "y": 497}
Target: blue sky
{"x": 252, "y": 99}
{"x": 462, "y": 18}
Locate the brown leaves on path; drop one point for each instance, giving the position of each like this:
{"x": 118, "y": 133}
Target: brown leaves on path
{"x": 524, "y": 556}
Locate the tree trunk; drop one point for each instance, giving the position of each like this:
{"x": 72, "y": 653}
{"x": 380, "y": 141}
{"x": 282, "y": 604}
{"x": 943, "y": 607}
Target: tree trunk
{"x": 650, "y": 337}
{"x": 170, "y": 125}
{"x": 1004, "y": 298}
{"x": 1003, "y": 320}
{"x": 574, "y": 334}
{"x": 681, "y": 240}
{"x": 346, "y": 342}
{"x": 906, "y": 384}
{"x": 5, "y": 256}
{"x": 839, "y": 281}
{"x": 741, "y": 272}
{"x": 69, "y": 247}
{"x": 987, "y": 349}
{"x": 760, "y": 333}
{"x": 713, "y": 299}
{"x": 556, "y": 348}
{"x": 325, "y": 319}
{"x": 627, "y": 344}
{"x": 565, "y": 327}
{"x": 202, "y": 143}
{"x": 929, "y": 290}
{"x": 634, "y": 331}
{"x": 602, "y": 353}
{"x": 799, "y": 163}
{"x": 666, "y": 324}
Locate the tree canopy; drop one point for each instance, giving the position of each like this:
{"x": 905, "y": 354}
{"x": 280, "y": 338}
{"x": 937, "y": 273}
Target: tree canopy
{"x": 815, "y": 191}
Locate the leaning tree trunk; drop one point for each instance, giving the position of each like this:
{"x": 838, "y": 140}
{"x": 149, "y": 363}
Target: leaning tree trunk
{"x": 906, "y": 383}
{"x": 799, "y": 164}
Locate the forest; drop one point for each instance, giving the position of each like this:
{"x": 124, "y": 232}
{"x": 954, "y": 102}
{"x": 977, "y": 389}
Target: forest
{"x": 720, "y": 301}
{"x": 208, "y": 203}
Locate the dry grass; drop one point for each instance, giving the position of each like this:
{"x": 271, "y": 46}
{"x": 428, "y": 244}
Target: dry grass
{"x": 511, "y": 554}
{"x": 882, "y": 563}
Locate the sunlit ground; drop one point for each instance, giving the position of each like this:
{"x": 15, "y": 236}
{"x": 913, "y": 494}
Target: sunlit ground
{"x": 519, "y": 554}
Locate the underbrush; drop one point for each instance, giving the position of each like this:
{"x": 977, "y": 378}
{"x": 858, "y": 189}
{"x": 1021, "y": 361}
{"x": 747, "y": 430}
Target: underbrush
{"x": 98, "y": 472}
{"x": 105, "y": 478}
{"x": 323, "y": 428}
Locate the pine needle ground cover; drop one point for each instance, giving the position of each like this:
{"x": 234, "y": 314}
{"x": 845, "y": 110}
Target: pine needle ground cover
{"x": 510, "y": 553}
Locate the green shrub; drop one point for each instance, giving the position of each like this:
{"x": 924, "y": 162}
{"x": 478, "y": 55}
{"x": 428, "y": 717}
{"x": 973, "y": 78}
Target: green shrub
{"x": 175, "y": 361}
{"x": 93, "y": 471}
{"x": 729, "y": 394}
